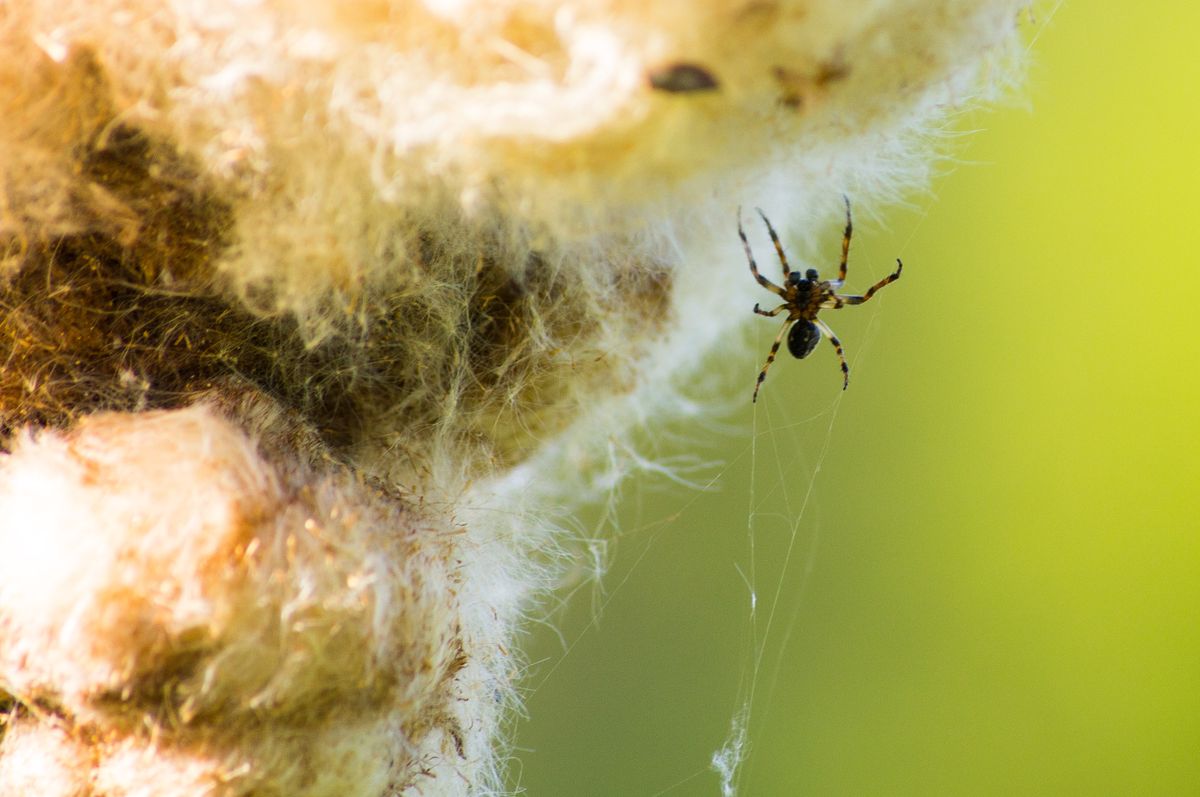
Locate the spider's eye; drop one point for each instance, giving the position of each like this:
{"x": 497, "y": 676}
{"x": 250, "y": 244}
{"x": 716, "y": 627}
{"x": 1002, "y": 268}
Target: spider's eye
{"x": 812, "y": 275}
{"x": 794, "y": 278}
{"x": 802, "y": 339}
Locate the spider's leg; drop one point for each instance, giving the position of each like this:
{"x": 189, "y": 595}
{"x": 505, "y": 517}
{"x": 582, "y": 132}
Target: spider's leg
{"x": 837, "y": 346}
{"x": 770, "y": 359}
{"x": 763, "y": 281}
{"x": 772, "y": 313}
{"x": 778, "y": 246}
{"x": 889, "y": 279}
{"x": 841, "y": 277}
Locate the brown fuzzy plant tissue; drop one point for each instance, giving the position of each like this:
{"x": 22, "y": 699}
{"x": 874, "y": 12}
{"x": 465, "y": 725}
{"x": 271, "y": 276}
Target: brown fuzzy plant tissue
{"x": 314, "y": 315}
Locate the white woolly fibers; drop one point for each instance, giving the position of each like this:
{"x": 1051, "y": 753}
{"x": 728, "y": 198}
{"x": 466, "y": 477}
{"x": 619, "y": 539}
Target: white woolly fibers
{"x": 270, "y": 624}
{"x": 308, "y": 310}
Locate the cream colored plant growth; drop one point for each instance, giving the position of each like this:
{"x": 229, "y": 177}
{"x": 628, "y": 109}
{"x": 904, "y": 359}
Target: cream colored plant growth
{"x": 301, "y": 298}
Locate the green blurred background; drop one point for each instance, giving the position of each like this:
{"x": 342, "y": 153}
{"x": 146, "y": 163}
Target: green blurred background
{"x": 994, "y": 585}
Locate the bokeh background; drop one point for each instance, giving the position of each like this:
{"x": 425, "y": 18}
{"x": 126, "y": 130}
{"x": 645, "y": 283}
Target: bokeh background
{"x": 978, "y": 570}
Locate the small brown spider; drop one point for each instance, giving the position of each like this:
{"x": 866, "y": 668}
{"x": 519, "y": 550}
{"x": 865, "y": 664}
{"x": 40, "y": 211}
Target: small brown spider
{"x": 804, "y": 297}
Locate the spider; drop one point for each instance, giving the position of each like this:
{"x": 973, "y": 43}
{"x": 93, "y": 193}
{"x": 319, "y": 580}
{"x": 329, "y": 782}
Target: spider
{"x": 804, "y": 297}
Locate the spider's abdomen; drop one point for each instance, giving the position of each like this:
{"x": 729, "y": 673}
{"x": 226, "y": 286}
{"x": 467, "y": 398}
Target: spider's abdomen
{"x": 802, "y": 339}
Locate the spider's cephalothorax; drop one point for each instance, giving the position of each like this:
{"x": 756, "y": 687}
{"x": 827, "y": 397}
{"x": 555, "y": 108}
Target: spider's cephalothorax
{"x": 804, "y": 297}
